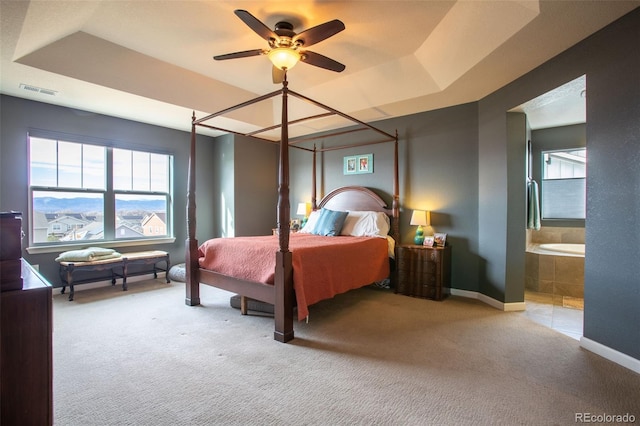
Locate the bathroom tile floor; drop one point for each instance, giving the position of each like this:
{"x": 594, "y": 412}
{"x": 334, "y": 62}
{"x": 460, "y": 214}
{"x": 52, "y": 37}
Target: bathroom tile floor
{"x": 563, "y": 314}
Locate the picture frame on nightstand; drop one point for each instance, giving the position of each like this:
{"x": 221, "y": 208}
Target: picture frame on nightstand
{"x": 429, "y": 241}
{"x": 440, "y": 239}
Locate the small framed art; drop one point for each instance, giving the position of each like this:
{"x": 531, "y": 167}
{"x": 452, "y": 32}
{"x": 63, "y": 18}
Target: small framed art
{"x": 350, "y": 165}
{"x": 358, "y": 164}
{"x": 440, "y": 239}
{"x": 429, "y": 241}
{"x": 365, "y": 164}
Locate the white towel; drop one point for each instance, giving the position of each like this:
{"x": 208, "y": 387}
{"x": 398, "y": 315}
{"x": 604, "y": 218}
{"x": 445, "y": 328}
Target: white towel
{"x": 533, "y": 206}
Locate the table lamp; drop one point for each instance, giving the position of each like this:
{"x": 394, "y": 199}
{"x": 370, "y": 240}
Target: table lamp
{"x": 419, "y": 217}
{"x": 303, "y": 210}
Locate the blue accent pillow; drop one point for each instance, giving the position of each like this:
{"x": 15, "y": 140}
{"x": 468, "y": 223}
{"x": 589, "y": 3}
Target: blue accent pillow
{"x": 329, "y": 222}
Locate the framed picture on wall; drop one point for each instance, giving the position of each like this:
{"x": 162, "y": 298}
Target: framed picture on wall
{"x": 365, "y": 163}
{"x": 350, "y": 165}
{"x": 358, "y": 164}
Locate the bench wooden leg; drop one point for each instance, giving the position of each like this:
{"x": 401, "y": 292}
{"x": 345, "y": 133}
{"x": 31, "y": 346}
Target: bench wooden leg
{"x": 70, "y": 281}
{"x": 166, "y": 271}
{"x": 124, "y": 275}
{"x": 63, "y": 277}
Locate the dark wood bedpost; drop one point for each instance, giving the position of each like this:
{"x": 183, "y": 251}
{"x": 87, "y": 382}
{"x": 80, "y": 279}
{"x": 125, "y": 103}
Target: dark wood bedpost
{"x": 396, "y": 193}
{"x": 314, "y": 204}
{"x": 283, "y": 308}
{"x": 191, "y": 259}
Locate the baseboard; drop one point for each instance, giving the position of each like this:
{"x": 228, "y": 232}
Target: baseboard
{"x": 610, "y": 354}
{"x": 507, "y": 307}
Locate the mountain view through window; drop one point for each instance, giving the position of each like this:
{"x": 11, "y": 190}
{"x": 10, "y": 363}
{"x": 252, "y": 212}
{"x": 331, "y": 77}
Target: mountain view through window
{"x": 90, "y": 192}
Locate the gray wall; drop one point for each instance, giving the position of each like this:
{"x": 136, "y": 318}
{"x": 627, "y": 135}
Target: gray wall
{"x": 19, "y": 116}
{"x": 244, "y": 191}
{"x": 256, "y": 186}
{"x": 438, "y": 171}
{"x": 221, "y": 192}
{"x": 517, "y": 136}
{"x": 612, "y": 271}
{"x": 612, "y": 264}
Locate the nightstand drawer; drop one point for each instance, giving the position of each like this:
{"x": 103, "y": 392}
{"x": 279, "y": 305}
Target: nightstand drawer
{"x": 423, "y": 271}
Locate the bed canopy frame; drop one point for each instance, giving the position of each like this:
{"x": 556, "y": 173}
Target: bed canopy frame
{"x": 281, "y": 294}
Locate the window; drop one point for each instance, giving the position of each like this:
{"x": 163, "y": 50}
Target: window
{"x": 83, "y": 192}
{"x": 564, "y": 184}
{"x": 141, "y": 187}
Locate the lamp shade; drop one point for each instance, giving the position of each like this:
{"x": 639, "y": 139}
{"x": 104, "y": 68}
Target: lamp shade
{"x": 303, "y": 209}
{"x": 284, "y": 57}
{"x": 419, "y": 217}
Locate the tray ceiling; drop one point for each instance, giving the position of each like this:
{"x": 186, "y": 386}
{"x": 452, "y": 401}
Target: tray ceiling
{"x": 152, "y": 61}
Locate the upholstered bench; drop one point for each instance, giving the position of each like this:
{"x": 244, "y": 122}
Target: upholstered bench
{"x": 117, "y": 266}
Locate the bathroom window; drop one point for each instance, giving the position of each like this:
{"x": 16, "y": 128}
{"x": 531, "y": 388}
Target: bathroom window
{"x": 563, "y": 190}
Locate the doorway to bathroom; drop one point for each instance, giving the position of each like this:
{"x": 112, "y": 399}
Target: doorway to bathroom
{"x": 556, "y": 169}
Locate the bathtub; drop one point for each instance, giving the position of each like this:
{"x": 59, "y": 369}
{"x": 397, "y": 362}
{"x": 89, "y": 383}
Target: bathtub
{"x": 560, "y": 249}
{"x": 555, "y": 268}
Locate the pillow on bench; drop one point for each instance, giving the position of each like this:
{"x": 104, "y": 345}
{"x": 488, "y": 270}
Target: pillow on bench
{"x": 90, "y": 254}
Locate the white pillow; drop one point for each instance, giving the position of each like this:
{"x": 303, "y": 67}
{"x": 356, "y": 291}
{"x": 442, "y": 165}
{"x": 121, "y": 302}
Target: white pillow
{"x": 350, "y": 222}
{"x": 311, "y": 222}
{"x": 366, "y": 224}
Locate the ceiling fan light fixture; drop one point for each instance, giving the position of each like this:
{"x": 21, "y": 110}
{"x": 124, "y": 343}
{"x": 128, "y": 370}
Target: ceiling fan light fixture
{"x": 284, "y": 57}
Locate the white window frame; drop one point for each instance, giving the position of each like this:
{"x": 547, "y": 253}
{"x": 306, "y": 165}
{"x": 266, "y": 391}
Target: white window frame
{"x": 566, "y": 187}
{"x": 110, "y": 239}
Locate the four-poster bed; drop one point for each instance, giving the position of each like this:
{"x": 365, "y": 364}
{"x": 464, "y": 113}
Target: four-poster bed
{"x": 278, "y": 288}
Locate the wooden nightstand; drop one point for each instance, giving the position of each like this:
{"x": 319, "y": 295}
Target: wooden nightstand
{"x": 423, "y": 271}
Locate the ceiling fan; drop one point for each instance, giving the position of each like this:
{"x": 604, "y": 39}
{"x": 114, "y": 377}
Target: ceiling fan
{"x": 286, "y": 48}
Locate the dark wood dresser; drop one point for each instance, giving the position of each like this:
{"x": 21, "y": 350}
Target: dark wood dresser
{"x": 26, "y": 362}
{"x": 423, "y": 271}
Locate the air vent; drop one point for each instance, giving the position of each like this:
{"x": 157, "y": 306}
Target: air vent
{"x": 36, "y": 89}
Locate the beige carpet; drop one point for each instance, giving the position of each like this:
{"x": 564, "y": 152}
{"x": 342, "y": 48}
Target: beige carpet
{"x": 368, "y": 357}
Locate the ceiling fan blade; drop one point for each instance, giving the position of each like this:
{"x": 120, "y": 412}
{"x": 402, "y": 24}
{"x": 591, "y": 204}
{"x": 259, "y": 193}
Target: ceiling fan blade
{"x": 243, "y": 54}
{"x": 318, "y": 33}
{"x": 277, "y": 75}
{"x": 321, "y": 61}
{"x": 256, "y": 25}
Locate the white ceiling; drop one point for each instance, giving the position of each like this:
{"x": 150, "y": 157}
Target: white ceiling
{"x": 151, "y": 61}
{"x": 562, "y": 106}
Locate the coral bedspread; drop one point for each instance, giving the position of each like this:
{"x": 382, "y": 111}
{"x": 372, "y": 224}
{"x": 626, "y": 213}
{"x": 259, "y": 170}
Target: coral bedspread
{"x": 322, "y": 266}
